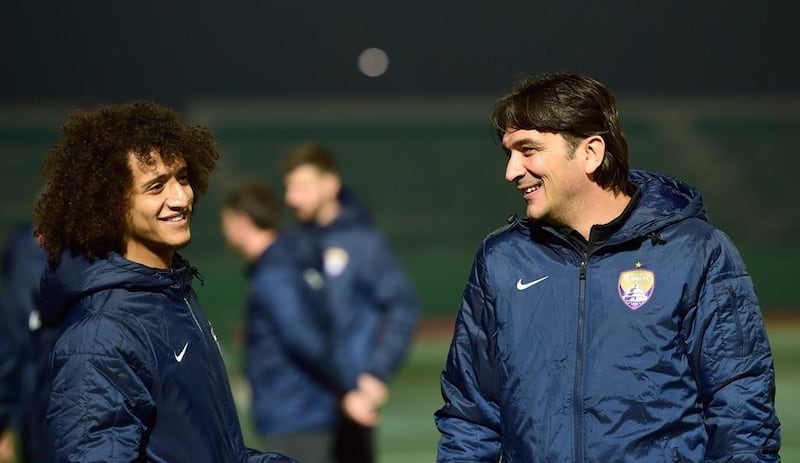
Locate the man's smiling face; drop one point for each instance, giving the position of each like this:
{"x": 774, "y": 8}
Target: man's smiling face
{"x": 161, "y": 206}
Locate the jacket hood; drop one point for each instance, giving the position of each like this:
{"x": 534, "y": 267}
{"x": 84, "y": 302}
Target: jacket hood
{"x": 664, "y": 201}
{"x": 295, "y": 247}
{"x": 75, "y": 277}
{"x": 353, "y": 212}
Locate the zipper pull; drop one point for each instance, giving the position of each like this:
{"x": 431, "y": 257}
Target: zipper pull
{"x": 583, "y": 270}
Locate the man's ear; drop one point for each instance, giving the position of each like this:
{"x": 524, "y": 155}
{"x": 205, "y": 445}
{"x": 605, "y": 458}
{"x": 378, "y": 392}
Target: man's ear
{"x": 593, "y": 148}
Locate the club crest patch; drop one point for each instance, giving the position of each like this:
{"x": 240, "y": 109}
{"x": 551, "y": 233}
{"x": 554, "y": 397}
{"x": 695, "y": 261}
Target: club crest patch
{"x": 636, "y": 286}
{"x": 335, "y": 261}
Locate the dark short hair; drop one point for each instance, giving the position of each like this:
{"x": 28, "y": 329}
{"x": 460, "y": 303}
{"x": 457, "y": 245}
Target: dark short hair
{"x": 258, "y": 201}
{"x": 87, "y": 176}
{"x": 575, "y": 106}
{"x": 313, "y": 154}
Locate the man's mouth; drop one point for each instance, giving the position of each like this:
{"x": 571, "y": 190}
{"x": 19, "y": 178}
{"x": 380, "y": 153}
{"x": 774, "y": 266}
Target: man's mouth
{"x": 531, "y": 189}
{"x": 174, "y": 218}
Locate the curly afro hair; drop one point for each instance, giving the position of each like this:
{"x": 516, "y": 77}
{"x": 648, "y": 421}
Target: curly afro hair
{"x": 87, "y": 178}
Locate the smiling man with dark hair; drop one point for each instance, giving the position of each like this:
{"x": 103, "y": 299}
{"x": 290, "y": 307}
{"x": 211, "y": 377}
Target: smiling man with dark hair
{"x": 614, "y": 323}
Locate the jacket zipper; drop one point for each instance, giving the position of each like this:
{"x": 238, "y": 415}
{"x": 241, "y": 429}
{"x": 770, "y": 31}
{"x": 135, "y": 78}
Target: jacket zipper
{"x": 229, "y": 406}
{"x": 191, "y": 312}
{"x": 735, "y": 315}
{"x": 577, "y": 403}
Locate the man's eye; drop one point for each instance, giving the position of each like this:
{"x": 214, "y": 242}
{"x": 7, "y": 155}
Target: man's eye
{"x": 155, "y": 187}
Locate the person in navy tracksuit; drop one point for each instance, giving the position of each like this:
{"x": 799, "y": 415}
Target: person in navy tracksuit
{"x": 136, "y": 372}
{"x": 23, "y": 374}
{"x": 374, "y": 306}
{"x": 615, "y": 323}
{"x": 290, "y": 356}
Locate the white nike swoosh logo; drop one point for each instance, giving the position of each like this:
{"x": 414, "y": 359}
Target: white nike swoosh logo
{"x": 179, "y": 357}
{"x": 523, "y": 286}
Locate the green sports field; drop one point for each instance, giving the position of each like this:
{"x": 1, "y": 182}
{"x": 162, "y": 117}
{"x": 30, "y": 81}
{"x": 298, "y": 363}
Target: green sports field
{"x": 408, "y": 435}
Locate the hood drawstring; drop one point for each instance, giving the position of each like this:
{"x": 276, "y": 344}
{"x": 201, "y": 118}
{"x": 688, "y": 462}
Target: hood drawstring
{"x": 656, "y": 239}
{"x": 196, "y": 273}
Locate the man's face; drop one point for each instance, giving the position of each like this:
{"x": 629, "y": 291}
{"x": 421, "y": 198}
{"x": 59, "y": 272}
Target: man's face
{"x": 161, "y": 208}
{"x": 307, "y": 191}
{"x": 546, "y": 172}
{"x": 232, "y": 223}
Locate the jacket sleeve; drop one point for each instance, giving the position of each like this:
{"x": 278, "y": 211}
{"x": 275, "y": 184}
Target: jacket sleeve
{"x": 469, "y": 421}
{"x": 254, "y": 456}
{"x": 9, "y": 380}
{"x": 396, "y": 296}
{"x": 23, "y": 262}
{"x": 100, "y": 406}
{"x": 279, "y": 297}
{"x": 733, "y": 362}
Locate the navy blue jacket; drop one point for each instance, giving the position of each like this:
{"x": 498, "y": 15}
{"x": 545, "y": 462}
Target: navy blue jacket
{"x": 290, "y": 357}
{"x": 25, "y": 343}
{"x": 650, "y": 347}
{"x": 374, "y": 306}
{"x": 136, "y": 374}
{"x": 29, "y": 339}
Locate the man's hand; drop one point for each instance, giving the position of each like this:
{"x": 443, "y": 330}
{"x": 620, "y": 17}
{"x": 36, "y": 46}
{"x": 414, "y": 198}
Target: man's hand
{"x": 373, "y": 388}
{"x": 362, "y": 404}
{"x": 7, "y": 454}
{"x": 359, "y": 407}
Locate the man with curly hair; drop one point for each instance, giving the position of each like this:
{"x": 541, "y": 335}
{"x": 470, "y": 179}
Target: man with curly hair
{"x": 136, "y": 374}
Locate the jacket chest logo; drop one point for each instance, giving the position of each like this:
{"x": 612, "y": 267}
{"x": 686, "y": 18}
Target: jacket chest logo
{"x": 636, "y": 286}
{"x": 335, "y": 261}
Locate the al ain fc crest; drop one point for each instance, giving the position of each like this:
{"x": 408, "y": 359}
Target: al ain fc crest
{"x": 636, "y": 286}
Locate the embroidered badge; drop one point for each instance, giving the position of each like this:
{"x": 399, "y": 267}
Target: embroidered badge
{"x": 636, "y": 286}
{"x": 335, "y": 261}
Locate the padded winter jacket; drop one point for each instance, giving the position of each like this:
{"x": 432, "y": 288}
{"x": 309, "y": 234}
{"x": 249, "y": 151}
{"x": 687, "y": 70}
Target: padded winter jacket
{"x": 23, "y": 262}
{"x": 24, "y": 361}
{"x": 290, "y": 357}
{"x": 374, "y": 306}
{"x": 137, "y": 374}
{"x": 648, "y": 346}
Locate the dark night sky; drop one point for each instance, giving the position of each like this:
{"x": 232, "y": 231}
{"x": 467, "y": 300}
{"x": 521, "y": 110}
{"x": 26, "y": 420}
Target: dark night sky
{"x": 174, "y": 51}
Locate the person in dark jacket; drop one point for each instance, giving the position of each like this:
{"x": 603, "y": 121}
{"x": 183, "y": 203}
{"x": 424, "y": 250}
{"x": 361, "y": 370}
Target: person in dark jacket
{"x": 374, "y": 306}
{"x": 290, "y": 357}
{"x": 23, "y": 373}
{"x": 615, "y": 323}
{"x": 136, "y": 372}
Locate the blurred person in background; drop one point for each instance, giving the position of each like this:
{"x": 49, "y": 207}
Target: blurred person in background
{"x": 25, "y": 345}
{"x": 136, "y": 372}
{"x": 373, "y": 304}
{"x": 290, "y": 356}
{"x": 615, "y": 323}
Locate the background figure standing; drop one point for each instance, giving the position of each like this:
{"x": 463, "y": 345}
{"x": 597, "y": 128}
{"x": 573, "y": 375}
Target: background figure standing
{"x": 290, "y": 358}
{"x": 26, "y": 344}
{"x": 616, "y": 323}
{"x": 374, "y": 306}
{"x": 136, "y": 372}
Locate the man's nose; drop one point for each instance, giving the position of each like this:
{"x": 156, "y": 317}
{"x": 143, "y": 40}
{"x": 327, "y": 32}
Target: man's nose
{"x": 180, "y": 195}
{"x": 514, "y": 168}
